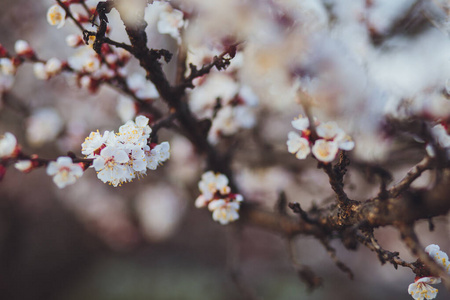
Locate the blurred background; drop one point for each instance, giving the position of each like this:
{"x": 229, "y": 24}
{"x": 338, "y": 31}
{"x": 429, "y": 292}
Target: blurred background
{"x": 146, "y": 240}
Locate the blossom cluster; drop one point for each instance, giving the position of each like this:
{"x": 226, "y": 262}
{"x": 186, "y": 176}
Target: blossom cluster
{"x": 120, "y": 157}
{"x": 89, "y": 66}
{"x": 421, "y": 288}
{"x": 170, "y": 21}
{"x": 222, "y": 98}
{"x": 330, "y": 139}
{"x": 217, "y": 196}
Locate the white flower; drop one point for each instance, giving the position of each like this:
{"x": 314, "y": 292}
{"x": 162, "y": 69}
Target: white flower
{"x": 64, "y": 171}
{"x": 86, "y": 82}
{"x": 111, "y": 58}
{"x": 43, "y": 126}
{"x": 143, "y": 88}
{"x": 126, "y": 108}
{"x": 223, "y": 211}
{"x": 8, "y": 144}
{"x": 110, "y": 165}
{"x": 7, "y": 66}
{"x": 301, "y": 123}
{"x": 439, "y": 256}
{"x": 135, "y": 133}
{"x": 170, "y": 23}
{"x": 249, "y": 97}
{"x": 53, "y": 66}
{"x": 421, "y": 288}
{"x": 24, "y": 165}
{"x": 85, "y": 59}
{"x": 344, "y": 141}
{"x": 22, "y": 47}
{"x": 93, "y": 144}
{"x": 325, "y": 151}
{"x": 6, "y": 83}
{"x": 212, "y": 183}
{"x": 56, "y": 16}
{"x": 201, "y": 201}
{"x": 441, "y": 135}
{"x": 39, "y": 71}
{"x": 163, "y": 151}
{"x": 137, "y": 159}
{"x": 73, "y": 40}
{"x": 328, "y": 130}
{"x": 228, "y": 121}
{"x": 157, "y": 155}
{"x": 298, "y": 145}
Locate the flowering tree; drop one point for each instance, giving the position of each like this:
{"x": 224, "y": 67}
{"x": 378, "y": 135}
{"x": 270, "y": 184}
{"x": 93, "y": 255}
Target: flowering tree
{"x": 252, "y": 102}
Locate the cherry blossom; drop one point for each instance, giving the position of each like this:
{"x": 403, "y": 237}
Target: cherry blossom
{"x": 110, "y": 165}
{"x": 217, "y": 196}
{"x": 24, "y": 165}
{"x": 8, "y": 145}
{"x": 298, "y": 145}
{"x": 56, "y": 16}
{"x": 64, "y": 171}
{"x": 7, "y": 66}
{"x": 223, "y": 211}
{"x": 421, "y": 288}
{"x": 22, "y": 48}
{"x": 170, "y": 22}
{"x": 325, "y": 151}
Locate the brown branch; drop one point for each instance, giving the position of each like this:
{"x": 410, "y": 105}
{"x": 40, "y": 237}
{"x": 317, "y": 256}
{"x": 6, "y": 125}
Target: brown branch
{"x": 383, "y": 255}
{"x": 425, "y": 164}
{"x": 220, "y": 62}
{"x": 174, "y": 97}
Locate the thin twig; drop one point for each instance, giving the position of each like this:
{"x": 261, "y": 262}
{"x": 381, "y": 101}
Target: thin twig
{"x": 384, "y": 255}
{"x": 413, "y": 174}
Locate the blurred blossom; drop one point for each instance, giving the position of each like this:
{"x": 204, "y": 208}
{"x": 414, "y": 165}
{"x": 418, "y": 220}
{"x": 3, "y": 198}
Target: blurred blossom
{"x": 204, "y": 97}
{"x": 126, "y": 108}
{"x": 8, "y": 145}
{"x": 6, "y": 83}
{"x": 170, "y": 22}
{"x": 160, "y": 211}
{"x": 39, "y": 71}
{"x": 85, "y": 59}
{"x": 143, "y": 88}
{"x": 22, "y": 47}
{"x": 74, "y": 40}
{"x": 185, "y": 163}
{"x": 43, "y": 126}
{"x": 7, "y": 66}
{"x": 23, "y": 165}
{"x": 56, "y": 16}
{"x": 102, "y": 212}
